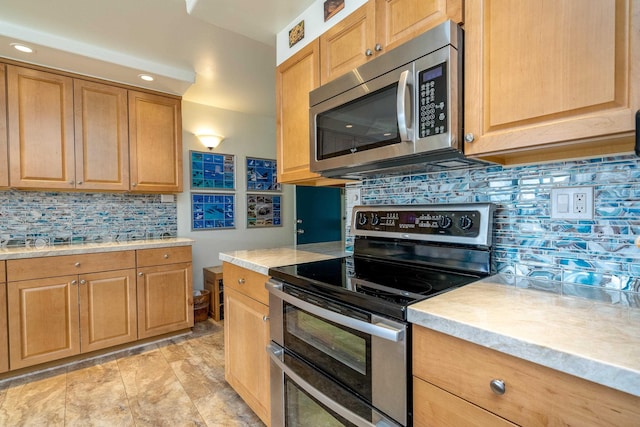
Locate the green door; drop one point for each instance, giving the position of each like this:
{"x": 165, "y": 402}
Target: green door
{"x": 318, "y": 214}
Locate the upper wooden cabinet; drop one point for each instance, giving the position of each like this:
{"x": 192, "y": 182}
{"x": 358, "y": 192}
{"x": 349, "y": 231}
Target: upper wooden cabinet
{"x": 41, "y": 135}
{"x": 4, "y": 153}
{"x": 378, "y": 26}
{"x": 295, "y": 78}
{"x": 547, "y": 80}
{"x": 155, "y": 139}
{"x": 101, "y": 137}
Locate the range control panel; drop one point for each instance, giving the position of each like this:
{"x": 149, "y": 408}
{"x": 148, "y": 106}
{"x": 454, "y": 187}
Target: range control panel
{"x": 459, "y": 223}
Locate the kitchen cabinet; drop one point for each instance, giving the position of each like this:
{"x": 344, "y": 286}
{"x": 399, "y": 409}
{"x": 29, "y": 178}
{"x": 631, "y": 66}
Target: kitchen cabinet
{"x": 165, "y": 290}
{"x": 453, "y": 377}
{"x": 155, "y": 142}
{"x": 548, "y": 80}
{"x": 4, "y": 148}
{"x": 295, "y": 78}
{"x": 377, "y": 27}
{"x": 62, "y": 306}
{"x": 212, "y": 278}
{"x": 4, "y": 335}
{"x": 246, "y": 335}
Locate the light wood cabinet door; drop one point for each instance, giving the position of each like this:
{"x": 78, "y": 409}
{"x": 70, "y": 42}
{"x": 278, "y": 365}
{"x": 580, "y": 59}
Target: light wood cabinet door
{"x": 246, "y": 335}
{"x": 4, "y": 333}
{"x": 41, "y": 134}
{"x": 434, "y": 407}
{"x": 43, "y": 320}
{"x": 101, "y": 136}
{"x": 4, "y": 148}
{"x": 108, "y": 313}
{"x": 295, "y": 78}
{"x": 547, "y": 79}
{"x": 398, "y": 21}
{"x": 349, "y": 43}
{"x": 155, "y": 143}
{"x": 165, "y": 299}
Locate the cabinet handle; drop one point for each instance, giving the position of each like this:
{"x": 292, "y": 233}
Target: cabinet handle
{"x": 241, "y": 281}
{"x": 378, "y": 47}
{"x": 638, "y": 133}
{"x": 134, "y": 184}
{"x": 74, "y": 282}
{"x": 265, "y": 318}
{"x": 368, "y": 52}
{"x": 77, "y": 264}
{"x": 71, "y": 182}
{"x": 469, "y": 137}
{"x": 140, "y": 274}
{"x": 166, "y": 256}
{"x": 82, "y": 282}
{"x": 80, "y": 183}
{"x": 498, "y": 387}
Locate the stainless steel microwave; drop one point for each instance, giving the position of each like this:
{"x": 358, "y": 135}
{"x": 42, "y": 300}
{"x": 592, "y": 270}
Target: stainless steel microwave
{"x": 403, "y": 108}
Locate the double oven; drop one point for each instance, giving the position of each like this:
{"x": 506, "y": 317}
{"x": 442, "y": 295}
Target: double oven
{"x": 340, "y": 344}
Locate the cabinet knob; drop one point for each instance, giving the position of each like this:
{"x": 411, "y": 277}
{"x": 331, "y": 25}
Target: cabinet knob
{"x": 265, "y": 318}
{"x": 140, "y": 274}
{"x": 469, "y": 137}
{"x": 74, "y": 282}
{"x": 378, "y": 47}
{"x": 368, "y": 52}
{"x": 166, "y": 256}
{"x": 241, "y": 281}
{"x": 82, "y": 282}
{"x": 133, "y": 184}
{"x": 80, "y": 183}
{"x": 71, "y": 182}
{"x": 77, "y": 264}
{"x": 498, "y": 386}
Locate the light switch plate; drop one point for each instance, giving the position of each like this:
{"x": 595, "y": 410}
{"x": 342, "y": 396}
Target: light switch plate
{"x": 572, "y": 203}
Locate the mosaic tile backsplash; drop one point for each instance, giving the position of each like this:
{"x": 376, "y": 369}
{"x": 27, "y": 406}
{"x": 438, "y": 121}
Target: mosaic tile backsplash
{"x": 30, "y": 219}
{"x": 527, "y": 242}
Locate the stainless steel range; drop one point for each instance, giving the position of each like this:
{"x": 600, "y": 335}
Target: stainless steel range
{"x": 340, "y": 343}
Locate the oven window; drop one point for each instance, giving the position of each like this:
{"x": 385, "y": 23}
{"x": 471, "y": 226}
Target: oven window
{"x": 304, "y": 410}
{"x": 340, "y": 352}
{"x": 366, "y": 123}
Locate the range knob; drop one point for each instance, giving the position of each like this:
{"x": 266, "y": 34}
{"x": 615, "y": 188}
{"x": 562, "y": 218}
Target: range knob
{"x": 362, "y": 218}
{"x": 444, "y": 222}
{"x": 375, "y": 219}
{"x": 466, "y": 222}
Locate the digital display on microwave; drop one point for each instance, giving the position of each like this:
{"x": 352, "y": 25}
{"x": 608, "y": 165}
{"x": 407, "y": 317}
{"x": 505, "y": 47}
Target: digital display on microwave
{"x": 432, "y": 73}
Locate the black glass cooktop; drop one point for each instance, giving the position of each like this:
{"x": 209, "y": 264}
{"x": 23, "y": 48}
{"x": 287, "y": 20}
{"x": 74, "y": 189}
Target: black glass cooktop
{"x": 371, "y": 284}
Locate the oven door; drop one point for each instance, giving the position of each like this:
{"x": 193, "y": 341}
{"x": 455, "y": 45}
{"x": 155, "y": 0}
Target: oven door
{"x": 301, "y": 395}
{"x": 365, "y": 353}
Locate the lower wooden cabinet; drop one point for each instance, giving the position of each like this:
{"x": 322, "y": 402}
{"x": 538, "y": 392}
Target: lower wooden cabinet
{"x": 165, "y": 291}
{"x": 452, "y": 379}
{"x": 246, "y": 335}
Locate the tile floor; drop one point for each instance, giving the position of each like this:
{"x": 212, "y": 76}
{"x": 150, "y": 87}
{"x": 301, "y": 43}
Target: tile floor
{"x": 176, "y": 382}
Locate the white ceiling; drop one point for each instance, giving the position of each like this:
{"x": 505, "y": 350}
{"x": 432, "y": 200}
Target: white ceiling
{"x": 215, "y": 52}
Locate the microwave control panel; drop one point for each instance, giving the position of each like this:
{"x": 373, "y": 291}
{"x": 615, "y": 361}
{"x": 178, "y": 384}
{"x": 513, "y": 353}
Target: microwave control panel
{"x": 432, "y": 101}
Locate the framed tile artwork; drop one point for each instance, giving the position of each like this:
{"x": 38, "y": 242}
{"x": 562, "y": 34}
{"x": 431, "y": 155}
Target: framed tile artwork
{"x": 212, "y": 171}
{"x": 262, "y": 175}
{"x": 263, "y": 210}
{"x": 212, "y": 211}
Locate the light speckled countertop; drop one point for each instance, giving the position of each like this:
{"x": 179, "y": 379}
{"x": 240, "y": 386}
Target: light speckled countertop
{"x": 591, "y": 339}
{"x": 86, "y": 248}
{"x": 260, "y": 260}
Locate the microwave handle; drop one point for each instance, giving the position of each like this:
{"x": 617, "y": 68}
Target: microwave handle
{"x": 406, "y": 80}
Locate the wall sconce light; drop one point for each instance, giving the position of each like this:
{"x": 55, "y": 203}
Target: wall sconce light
{"x": 210, "y": 141}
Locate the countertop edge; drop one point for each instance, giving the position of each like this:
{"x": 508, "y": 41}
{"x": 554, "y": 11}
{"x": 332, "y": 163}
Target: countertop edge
{"x": 244, "y": 263}
{"x": 582, "y": 367}
{"x": 85, "y": 248}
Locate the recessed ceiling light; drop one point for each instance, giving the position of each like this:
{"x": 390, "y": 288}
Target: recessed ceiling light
{"x": 348, "y": 126}
{"x": 22, "y": 48}
{"x": 146, "y": 77}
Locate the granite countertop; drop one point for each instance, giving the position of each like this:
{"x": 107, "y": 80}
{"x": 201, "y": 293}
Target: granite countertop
{"x": 590, "y": 338}
{"x": 260, "y": 260}
{"x": 86, "y": 248}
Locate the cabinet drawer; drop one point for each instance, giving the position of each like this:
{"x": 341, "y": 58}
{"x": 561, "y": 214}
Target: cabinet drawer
{"x": 535, "y": 395}
{"x": 35, "y": 268}
{"x": 246, "y": 282}
{"x": 159, "y": 256}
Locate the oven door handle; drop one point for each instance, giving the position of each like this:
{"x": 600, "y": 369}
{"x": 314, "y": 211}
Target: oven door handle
{"x": 378, "y": 329}
{"x": 276, "y": 352}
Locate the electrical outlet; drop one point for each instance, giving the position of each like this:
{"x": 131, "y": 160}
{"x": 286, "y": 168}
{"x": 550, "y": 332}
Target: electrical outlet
{"x": 572, "y": 203}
